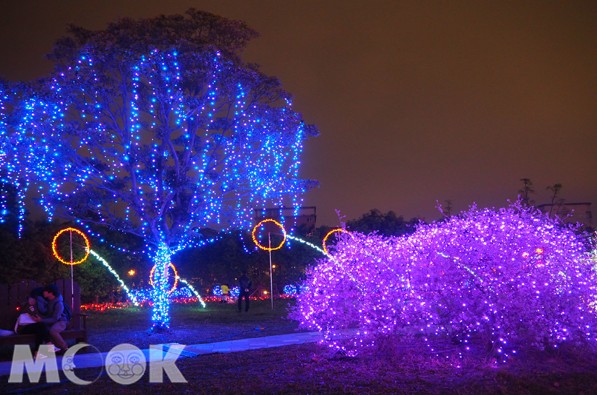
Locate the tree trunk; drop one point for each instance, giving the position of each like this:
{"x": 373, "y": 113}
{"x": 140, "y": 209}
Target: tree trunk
{"x": 161, "y": 302}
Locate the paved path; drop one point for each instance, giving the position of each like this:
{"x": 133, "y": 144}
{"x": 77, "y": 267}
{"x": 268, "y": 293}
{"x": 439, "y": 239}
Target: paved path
{"x": 90, "y": 360}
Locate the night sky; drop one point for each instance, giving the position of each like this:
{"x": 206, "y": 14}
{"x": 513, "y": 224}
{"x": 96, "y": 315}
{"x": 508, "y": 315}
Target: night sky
{"x": 416, "y": 101}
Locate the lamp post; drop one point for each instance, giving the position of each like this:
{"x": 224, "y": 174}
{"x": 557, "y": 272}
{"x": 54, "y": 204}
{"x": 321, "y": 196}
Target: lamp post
{"x": 271, "y": 271}
{"x": 269, "y": 248}
{"x": 71, "y": 261}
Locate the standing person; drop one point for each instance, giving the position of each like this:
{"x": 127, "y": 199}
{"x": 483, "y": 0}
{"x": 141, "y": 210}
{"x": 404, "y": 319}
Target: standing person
{"x": 56, "y": 318}
{"x": 225, "y": 293}
{"x": 244, "y": 284}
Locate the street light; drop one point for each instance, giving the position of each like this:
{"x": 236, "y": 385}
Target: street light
{"x": 269, "y": 248}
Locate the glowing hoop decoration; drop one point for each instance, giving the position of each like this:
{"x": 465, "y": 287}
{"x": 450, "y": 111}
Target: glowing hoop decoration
{"x": 262, "y": 246}
{"x": 62, "y": 260}
{"x": 331, "y": 232}
{"x": 175, "y": 277}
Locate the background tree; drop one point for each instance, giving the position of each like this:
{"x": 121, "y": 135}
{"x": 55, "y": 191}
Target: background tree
{"x": 444, "y": 208}
{"x": 555, "y": 190}
{"x": 155, "y": 128}
{"x": 25, "y": 258}
{"x": 219, "y": 262}
{"x": 525, "y": 192}
{"x": 233, "y": 253}
{"x": 30, "y": 257}
{"x": 388, "y": 224}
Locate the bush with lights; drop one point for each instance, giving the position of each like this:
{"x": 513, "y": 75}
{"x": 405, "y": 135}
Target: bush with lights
{"x": 499, "y": 278}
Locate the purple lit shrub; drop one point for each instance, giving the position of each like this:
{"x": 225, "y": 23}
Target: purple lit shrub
{"x": 351, "y": 290}
{"x": 507, "y": 278}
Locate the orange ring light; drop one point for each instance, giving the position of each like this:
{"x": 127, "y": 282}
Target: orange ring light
{"x": 170, "y": 265}
{"x": 331, "y": 232}
{"x": 262, "y": 246}
{"x": 55, "y": 249}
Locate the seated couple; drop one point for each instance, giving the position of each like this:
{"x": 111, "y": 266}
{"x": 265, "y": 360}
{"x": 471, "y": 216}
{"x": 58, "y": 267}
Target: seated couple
{"x": 45, "y": 315}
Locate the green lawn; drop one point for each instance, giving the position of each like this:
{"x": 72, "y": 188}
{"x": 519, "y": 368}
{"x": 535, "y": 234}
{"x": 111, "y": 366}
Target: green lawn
{"x": 190, "y": 324}
{"x": 398, "y": 368}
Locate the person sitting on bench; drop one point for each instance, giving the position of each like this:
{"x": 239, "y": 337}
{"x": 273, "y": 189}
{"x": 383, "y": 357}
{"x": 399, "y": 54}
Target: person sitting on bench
{"x": 56, "y": 317}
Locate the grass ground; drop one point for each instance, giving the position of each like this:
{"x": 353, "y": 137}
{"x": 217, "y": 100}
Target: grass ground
{"x": 311, "y": 368}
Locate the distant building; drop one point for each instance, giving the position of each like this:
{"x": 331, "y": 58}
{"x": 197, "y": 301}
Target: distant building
{"x": 303, "y": 219}
{"x": 570, "y": 212}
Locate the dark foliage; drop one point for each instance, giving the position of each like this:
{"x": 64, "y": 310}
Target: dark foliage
{"x": 388, "y": 224}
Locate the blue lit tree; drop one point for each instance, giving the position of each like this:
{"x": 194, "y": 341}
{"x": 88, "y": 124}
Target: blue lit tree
{"x": 156, "y": 128}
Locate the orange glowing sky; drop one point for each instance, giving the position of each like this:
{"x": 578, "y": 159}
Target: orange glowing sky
{"x": 416, "y": 101}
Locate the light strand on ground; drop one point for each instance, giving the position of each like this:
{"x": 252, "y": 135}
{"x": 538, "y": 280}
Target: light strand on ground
{"x": 193, "y": 290}
{"x": 126, "y": 289}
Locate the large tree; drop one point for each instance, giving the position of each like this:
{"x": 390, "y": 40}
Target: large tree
{"x": 157, "y": 128}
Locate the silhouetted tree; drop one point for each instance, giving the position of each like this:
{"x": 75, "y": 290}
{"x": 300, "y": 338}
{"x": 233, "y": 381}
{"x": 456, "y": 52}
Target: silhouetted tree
{"x": 388, "y": 224}
{"x": 555, "y": 190}
{"x": 526, "y": 191}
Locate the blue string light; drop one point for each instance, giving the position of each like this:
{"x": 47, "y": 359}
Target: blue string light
{"x": 155, "y": 146}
